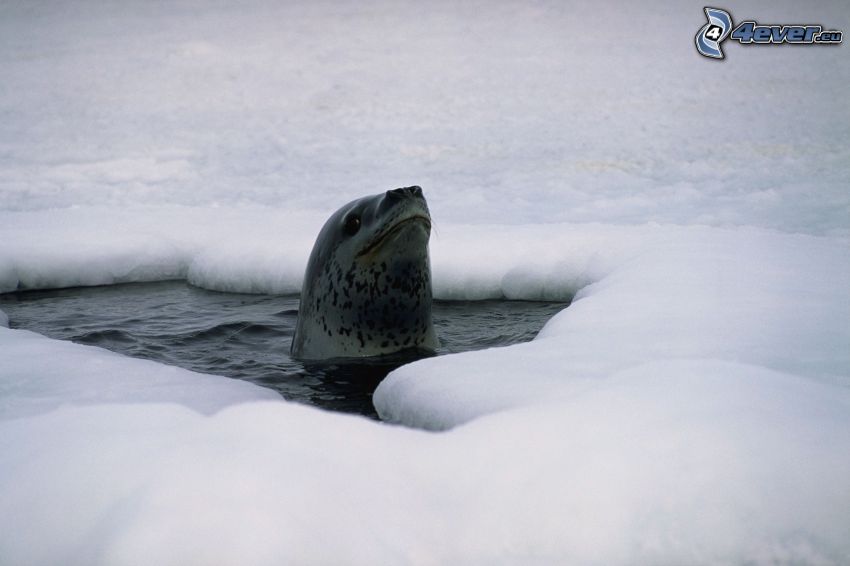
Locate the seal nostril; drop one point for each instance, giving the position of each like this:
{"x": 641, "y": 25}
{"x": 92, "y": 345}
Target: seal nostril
{"x": 405, "y": 192}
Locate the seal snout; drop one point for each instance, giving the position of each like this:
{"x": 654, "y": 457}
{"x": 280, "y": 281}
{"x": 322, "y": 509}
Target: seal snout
{"x": 405, "y": 198}
{"x": 405, "y": 192}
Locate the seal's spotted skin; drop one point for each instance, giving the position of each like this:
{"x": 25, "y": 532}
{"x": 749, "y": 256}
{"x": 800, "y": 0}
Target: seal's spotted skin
{"x": 367, "y": 288}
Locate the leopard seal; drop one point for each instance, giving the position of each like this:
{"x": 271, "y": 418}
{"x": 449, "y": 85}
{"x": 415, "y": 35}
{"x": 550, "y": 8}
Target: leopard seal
{"x": 367, "y": 286}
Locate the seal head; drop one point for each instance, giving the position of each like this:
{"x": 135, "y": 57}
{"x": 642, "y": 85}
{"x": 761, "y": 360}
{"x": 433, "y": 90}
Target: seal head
{"x": 367, "y": 287}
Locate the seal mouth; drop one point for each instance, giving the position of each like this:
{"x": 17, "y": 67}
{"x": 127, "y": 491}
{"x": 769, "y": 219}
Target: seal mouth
{"x": 398, "y": 227}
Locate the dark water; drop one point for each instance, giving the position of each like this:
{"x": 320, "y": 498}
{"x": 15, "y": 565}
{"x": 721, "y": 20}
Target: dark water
{"x": 248, "y": 336}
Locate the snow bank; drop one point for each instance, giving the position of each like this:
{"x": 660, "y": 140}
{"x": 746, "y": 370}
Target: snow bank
{"x": 263, "y": 250}
{"x": 666, "y": 462}
{"x": 746, "y": 296}
{"x": 40, "y": 375}
{"x": 247, "y": 249}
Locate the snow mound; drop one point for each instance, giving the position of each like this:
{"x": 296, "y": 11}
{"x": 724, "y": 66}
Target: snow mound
{"x": 745, "y": 296}
{"x": 247, "y": 249}
{"x": 666, "y": 462}
{"x": 40, "y": 375}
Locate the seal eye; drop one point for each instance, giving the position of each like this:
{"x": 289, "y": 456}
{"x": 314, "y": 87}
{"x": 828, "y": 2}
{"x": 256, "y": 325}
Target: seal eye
{"x": 352, "y": 225}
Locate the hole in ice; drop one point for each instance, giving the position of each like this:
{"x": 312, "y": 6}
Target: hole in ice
{"x": 248, "y": 336}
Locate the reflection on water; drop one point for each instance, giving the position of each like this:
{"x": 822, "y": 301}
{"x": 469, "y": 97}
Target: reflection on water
{"x": 248, "y": 336}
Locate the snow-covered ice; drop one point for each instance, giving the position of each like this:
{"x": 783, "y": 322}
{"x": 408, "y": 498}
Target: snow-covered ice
{"x": 744, "y": 296}
{"x": 691, "y": 406}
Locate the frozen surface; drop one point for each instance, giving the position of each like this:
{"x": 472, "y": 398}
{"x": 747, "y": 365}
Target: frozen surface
{"x": 692, "y": 405}
{"x": 744, "y": 296}
{"x": 40, "y": 375}
{"x": 502, "y": 113}
{"x": 669, "y": 462}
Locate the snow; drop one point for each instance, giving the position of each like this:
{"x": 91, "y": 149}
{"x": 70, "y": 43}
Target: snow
{"x": 668, "y": 462}
{"x": 744, "y": 296}
{"x": 691, "y": 406}
{"x": 250, "y": 249}
{"x": 41, "y": 375}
